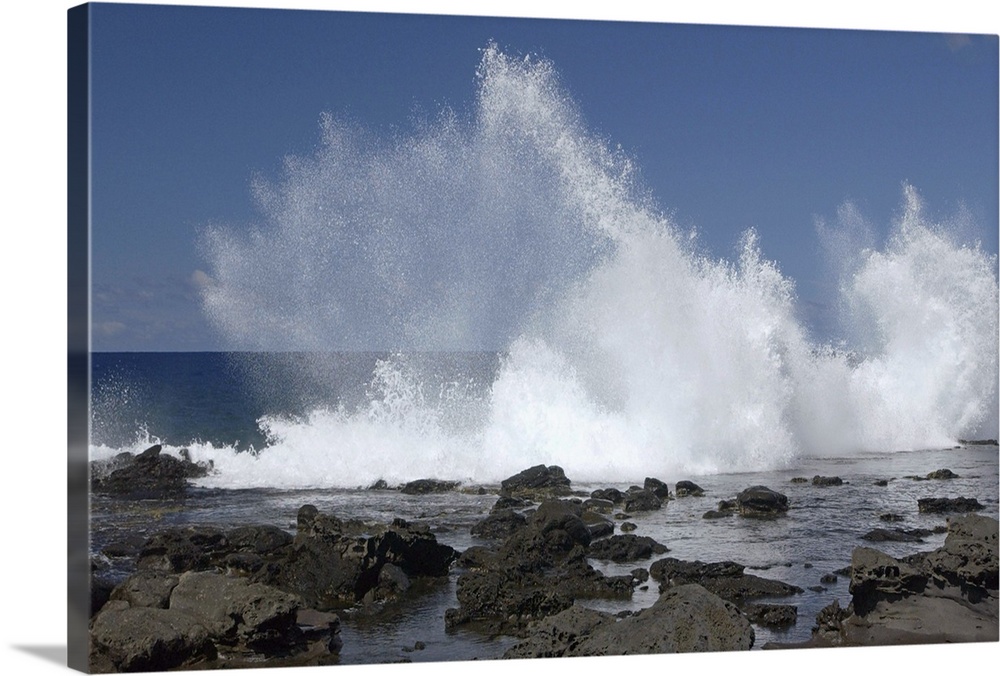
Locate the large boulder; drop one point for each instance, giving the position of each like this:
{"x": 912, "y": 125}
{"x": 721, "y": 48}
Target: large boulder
{"x": 770, "y": 614}
{"x": 538, "y": 571}
{"x": 207, "y": 615}
{"x": 176, "y": 550}
{"x": 968, "y": 559}
{"x": 948, "y": 595}
{"x": 896, "y": 535}
{"x": 946, "y": 505}
{"x": 612, "y": 495}
{"x": 942, "y": 474}
{"x": 330, "y": 563}
{"x": 660, "y": 489}
{"x": 537, "y": 482}
{"x": 498, "y": 524}
{"x": 331, "y": 567}
{"x": 148, "y": 639}
{"x": 151, "y": 474}
{"x": 683, "y": 619}
{"x": 146, "y": 589}
{"x": 426, "y": 486}
{"x": 726, "y": 579}
{"x": 641, "y": 500}
{"x": 761, "y": 501}
{"x": 236, "y": 611}
{"x": 687, "y": 488}
{"x": 628, "y": 547}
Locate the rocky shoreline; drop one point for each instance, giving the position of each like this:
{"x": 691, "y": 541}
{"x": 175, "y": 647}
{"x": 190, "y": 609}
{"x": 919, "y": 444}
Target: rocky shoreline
{"x": 206, "y": 597}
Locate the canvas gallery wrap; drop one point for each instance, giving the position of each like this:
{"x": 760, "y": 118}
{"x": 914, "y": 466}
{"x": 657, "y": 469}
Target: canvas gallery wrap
{"x": 416, "y": 338}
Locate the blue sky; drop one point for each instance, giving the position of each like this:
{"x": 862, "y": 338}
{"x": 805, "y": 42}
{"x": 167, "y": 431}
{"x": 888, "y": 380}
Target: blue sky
{"x": 731, "y": 128}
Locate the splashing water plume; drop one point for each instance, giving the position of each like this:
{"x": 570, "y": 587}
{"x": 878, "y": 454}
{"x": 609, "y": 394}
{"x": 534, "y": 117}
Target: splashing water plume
{"x": 626, "y": 352}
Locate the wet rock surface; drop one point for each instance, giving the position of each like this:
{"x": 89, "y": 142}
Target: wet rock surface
{"x": 641, "y": 500}
{"x": 150, "y": 474}
{"x": 948, "y": 505}
{"x": 659, "y": 488}
{"x": 194, "y": 618}
{"x": 761, "y": 502}
{"x": 687, "y": 618}
{"x": 628, "y": 547}
{"x": 538, "y": 571}
{"x": 896, "y": 535}
{"x": 687, "y": 488}
{"x": 771, "y": 614}
{"x": 947, "y": 595}
{"x": 726, "y": 579}
{"x": 537, "y": 482}
{"x": 425, "y": 486}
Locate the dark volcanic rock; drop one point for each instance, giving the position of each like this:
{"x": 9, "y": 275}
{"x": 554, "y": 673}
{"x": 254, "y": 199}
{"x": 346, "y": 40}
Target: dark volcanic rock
{"x": 510, "y": 502}
{"x": 659, "y": 488}
{"x": 628, "y": 527}
{"x": 725, "y": 508}
{"x": 329, "y": 563}
{"x": 944, "y": 505}
{"x": 942, "y": 474}
{"x": 476, "y": 557}
{"x": 895, "y": 535}
{"x": 771, "y": 614}
{"x": 499, "y": 524}
{"x": 537, "y": 481}
{"x": 598, "y": 527}
{"x": 330, "y": 569}
{"x": 236, "y": 610}
{"x": 177, "y": 550}
{"x": 599, "y": 505}
{"x": 100, "y": 593}
{"x": 968, "y": 558}
{"x": 538, "y": 571}
{"x": 148, "y": 639}
{"x": 612, "y": 494}
{"x": 621, "y": 548}
{"x": 881, "y": 482}
{"x": 258, "y": 539}
{"x": 128, "y": 546}
{"x": 890, "y": 517}
{"x": 146, "y": 589}
{"x": 562, "y": 524}
{"x": 684, "y": 619}
{"x": 151, "y": 474}
{"x": 827, "y": 481}
{"x": 760, "y": 501}
{"x": 947, "y": 595}
{"x": 425, "y": 486}
{"x": 688, "y": 488}
{"x": 725, "y": 578}
{"x": 159, "y": 622}
{"x": 641, "y": 500}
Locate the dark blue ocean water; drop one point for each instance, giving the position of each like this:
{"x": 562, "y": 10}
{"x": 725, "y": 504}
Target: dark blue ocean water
{"x": 218, "y": 397}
